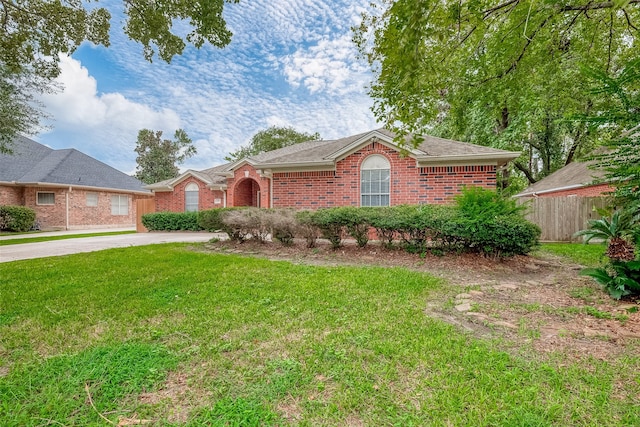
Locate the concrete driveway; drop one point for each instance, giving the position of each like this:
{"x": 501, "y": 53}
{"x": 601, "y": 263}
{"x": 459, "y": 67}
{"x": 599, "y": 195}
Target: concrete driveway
{"x": 90, "y": 244}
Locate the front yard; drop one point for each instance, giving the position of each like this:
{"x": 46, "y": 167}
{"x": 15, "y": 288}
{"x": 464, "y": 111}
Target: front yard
{"x": 206, "y": 335}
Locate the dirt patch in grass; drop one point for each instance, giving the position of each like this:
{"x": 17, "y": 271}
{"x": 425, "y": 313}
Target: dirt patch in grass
{"x": 537, "y": 303}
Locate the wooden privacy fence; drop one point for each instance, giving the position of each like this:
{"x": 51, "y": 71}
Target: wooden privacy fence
{"x": 560, "y": 217}
{"x": 143, "y": 206}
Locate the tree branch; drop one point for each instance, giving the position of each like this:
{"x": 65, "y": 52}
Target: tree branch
{"x": 594, "y": 6}
{"x": 525, "y": 171}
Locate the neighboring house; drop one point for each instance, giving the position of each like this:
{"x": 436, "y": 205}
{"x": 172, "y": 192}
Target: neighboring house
{"x": 574, "y": 179}
{"x": 368, "y": 169}
{"x": 564, "y": 202}
{"x": 67, "y": 188}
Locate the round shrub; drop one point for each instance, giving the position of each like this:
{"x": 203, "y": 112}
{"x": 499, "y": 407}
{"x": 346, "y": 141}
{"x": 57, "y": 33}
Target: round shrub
{"x": 16, "y": 218}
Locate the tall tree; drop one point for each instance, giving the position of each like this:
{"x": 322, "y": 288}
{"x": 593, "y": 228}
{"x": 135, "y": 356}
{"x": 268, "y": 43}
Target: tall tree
{"x": 158, "y": 158}
{"x": 34, "y": 32}
{"x": 270, "y": 139}
{"x": 502, "y": 74}
{"x": 621, "y": 160}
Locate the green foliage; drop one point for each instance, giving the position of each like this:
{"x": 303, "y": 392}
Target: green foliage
{"x": 236, "y": 413}
{"x": 619, "y": 278}
{"x": 621, "y": 160}
{"x": 171, "y": 221}
{"x": 34, "y": 33}
{"x": 271, "y": 139}
{"x": 483, "y": 204}
{"x": 501, "y": 74}
{"x": 158, "y": 159}
{"x": 330, "y": 222}
{"x": 307, "y": 228}
{"x": 16, "y": 218}
{"x": 620, "y": 225}
{"x": 211, "y": 219}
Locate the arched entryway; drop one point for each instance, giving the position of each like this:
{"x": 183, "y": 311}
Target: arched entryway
{"x": 247, "y": 193}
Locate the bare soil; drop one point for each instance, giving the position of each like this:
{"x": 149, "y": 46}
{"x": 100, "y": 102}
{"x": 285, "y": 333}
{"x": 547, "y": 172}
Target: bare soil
{"x": 533, "y": 303}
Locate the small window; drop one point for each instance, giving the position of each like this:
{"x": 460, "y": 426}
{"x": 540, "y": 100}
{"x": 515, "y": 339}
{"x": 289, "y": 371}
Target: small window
{"x": 191, "y": 197}
{"x": 119, "y": 205}
{"x": 92, "y": 199}
{"x": 375, "y": 174}
{"x": 46, "y": 198}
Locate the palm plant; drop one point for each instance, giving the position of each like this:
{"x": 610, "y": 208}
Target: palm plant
{"x": 618, "y": 232}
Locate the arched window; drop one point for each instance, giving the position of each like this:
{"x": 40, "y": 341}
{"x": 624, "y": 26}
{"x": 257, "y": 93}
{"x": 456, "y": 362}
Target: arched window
{"x": 191, "y": 197}
{"x": 375, "y": 174}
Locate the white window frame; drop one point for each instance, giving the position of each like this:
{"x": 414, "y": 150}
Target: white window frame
{"x": 190, "y": 190}
{"x": 375, "y": 181}
{"x": 92, "y": 200}
{"x": 45, "y": 203}
{"x": 119, "y": 204}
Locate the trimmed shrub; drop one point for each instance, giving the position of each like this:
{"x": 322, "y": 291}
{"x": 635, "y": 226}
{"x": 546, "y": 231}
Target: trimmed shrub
{"x": 307, "y": 228}
{"x": 283, "y": 225}
{"x": 211, "y": 219}
{"x": 171, "y": 221}
{"x": 385, "y": 222}
{"x": 16, "y": 218}
{"x": 330, "y": 223}
{"x": 356, "y": 221}
{"x": 241, "y": 224}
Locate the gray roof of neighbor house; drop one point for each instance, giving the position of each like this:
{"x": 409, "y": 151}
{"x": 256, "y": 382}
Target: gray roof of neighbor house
{"x": 31, "y": 163}
{"x": 324, "y": 154}
{"x": 573, "y": 175}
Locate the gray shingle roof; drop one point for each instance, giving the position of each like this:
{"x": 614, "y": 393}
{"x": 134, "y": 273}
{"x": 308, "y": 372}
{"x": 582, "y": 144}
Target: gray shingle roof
{"x": 32, "y": 162}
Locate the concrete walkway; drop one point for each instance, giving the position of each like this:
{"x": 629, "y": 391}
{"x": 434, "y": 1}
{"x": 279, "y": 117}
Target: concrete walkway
{"x": 89, "y": 244}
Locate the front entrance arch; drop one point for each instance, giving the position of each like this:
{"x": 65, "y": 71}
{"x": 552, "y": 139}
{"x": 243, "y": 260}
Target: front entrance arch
{"x": 247, "y": 193}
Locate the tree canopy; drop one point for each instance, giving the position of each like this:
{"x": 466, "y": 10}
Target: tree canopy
{"x": 158, "y": 158}
{"x": 504, "y": 74}
{"x": 33, "y": 33}
{"x": 271, "y": 139}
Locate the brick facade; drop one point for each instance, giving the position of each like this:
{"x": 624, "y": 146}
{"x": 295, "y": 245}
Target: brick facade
{"x": 71, "y": 208}
{"x": 410, "y": 184}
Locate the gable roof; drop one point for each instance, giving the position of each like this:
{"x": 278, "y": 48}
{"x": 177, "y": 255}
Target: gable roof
{"x": 573, "y": 175}
{"x": 31, "y": 163}
{"x": 324, "y": 154}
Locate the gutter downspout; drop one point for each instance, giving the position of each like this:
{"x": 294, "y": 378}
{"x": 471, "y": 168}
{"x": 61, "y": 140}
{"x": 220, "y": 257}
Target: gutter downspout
{"x": 224, "y": 198}
{"x": 67, "y": 208}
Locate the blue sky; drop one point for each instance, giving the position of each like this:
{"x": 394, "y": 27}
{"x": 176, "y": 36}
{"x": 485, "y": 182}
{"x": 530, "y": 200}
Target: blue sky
{"x": 290, "y": 63}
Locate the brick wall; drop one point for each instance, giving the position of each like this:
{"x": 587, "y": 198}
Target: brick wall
{"x": 80, "y": 214}
{"x": 238, "y": 188}
{"x": 590, "y": 191}
{"x": 11, "y": 196}
{"x": 409, "y": 184}
{"x": 174, "y": 201}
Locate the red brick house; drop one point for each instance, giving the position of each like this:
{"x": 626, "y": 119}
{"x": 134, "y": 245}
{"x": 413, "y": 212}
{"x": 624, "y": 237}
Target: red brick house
{"x": 68, "y": 189}
{"x": 575, "y": 179}
{"x": 367, "y": 169}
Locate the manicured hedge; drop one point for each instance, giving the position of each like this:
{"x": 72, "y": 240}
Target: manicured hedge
{"x": 171, "y": 221}
{"x": 16, "y": 218}
{"x": 481, "y": 221}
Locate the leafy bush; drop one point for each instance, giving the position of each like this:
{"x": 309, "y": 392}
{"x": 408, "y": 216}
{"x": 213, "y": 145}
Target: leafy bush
{"x": 307, "y": 228}
{"x": 211, "y": 219}
{"x": 384, "y": 220}
{"x": 483, "y": 204}
{"x": 283, "y": 225}
{"x": 356, "y": 221}
{"x": 241, "y": 224}
{"x": 619, "y": 278}
{"x": 171, "y": 221}
{"x": 16, "y": 218}
{"x": 330, "y": 223}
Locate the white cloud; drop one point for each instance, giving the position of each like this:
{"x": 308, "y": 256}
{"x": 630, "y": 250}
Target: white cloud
{"x": 291, "y": 63}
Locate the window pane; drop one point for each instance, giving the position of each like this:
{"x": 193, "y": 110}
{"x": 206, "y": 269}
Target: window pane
{"x": 119, "y": 205}
{"x": 191, "y": 201}
{"x": 92, "y": 199}
{"x": 46, "y": 198}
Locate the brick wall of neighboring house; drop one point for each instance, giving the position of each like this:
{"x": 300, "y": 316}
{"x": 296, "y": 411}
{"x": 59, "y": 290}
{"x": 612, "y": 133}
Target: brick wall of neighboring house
{"x": 174, "y": 201}
{"x": 589, "y": 191}
{"x": 409, "y": 183}
{"x": 72, "y": 210}
{"x": 11, "y": 196}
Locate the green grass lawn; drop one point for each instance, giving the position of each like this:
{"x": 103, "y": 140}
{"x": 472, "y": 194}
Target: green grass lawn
{"x": 591, "y": 255}
{"x": 179, "y": 337}
{"x": 36, "y": 239}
